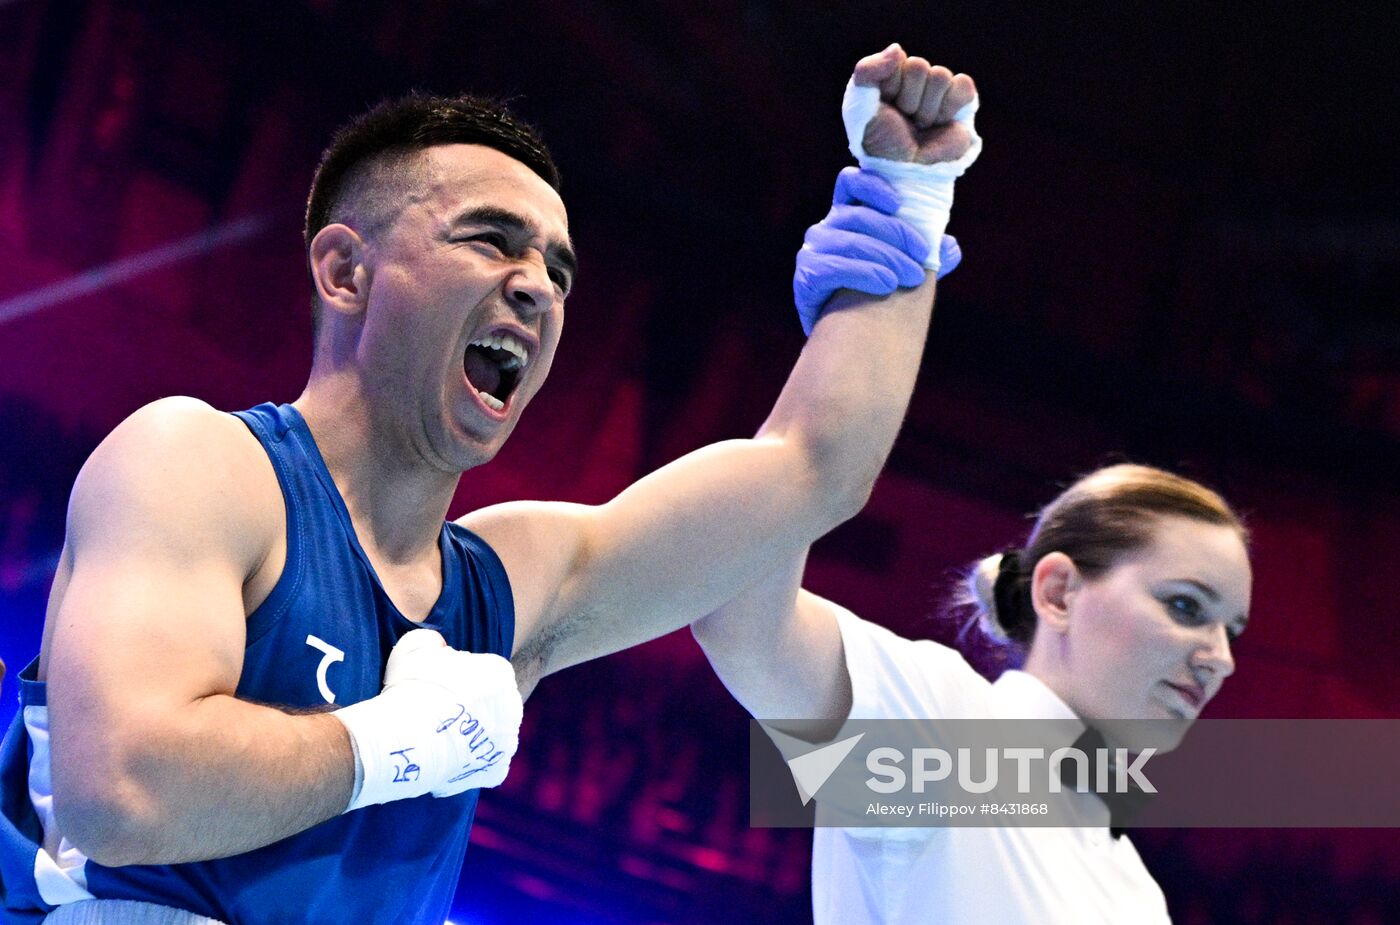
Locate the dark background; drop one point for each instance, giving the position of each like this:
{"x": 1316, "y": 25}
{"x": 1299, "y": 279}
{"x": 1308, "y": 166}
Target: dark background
{"x": 1181, "y": 242}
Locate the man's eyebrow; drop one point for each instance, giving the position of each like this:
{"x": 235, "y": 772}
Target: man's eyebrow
{"x": 492, "y": 215}
{"x": 513, "y": 221}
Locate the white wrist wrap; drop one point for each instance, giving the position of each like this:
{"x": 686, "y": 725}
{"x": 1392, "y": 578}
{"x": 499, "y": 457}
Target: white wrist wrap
{"x": 925, "y": 190}
{"x": 446, "y": 721}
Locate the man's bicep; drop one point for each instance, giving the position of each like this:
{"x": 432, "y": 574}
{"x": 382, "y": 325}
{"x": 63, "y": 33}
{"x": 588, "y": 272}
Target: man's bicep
{"x": 133, "y": 633}
{"x": 149, "y": 602}
{"x": 146, "y": 623}
{"x": 676, "y": 545}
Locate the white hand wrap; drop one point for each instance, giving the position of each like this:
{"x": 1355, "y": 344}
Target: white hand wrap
{"x": 446, "y": 721}
{"x": 925, "y": 190}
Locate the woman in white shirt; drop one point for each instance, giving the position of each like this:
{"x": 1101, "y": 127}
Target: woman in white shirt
{"x": 1124, "y": 599}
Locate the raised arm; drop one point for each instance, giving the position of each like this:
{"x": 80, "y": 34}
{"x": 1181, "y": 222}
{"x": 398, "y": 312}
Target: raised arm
{"x": 593, "y": 580}
{"x": 154, "y": 760}
{"x": 777, "y": 648}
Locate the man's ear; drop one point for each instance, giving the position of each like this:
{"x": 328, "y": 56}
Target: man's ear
{"x": 1053, "y": 582}
{"x": 339, "y": 273}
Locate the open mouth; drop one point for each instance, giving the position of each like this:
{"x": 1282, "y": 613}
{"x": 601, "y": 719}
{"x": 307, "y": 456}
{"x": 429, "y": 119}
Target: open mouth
{"x": 493, "y": 365}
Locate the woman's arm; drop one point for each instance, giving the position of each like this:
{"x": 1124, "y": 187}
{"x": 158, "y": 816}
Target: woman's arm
{"x": 778, "y": 650}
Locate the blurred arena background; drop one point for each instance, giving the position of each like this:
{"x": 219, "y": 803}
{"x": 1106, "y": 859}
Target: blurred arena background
{"x": 1182, "y": 247}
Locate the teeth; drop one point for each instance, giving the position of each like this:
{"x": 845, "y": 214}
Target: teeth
{"x": 492, "y": 402}
{"x": 510, "y": 344}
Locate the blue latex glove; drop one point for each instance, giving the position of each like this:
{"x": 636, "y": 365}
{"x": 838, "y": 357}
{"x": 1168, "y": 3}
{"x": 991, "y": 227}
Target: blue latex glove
{"x": 860, "y": 245}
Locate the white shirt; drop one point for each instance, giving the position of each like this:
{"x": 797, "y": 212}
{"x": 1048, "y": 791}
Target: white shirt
{"x": 1001, "y": 875}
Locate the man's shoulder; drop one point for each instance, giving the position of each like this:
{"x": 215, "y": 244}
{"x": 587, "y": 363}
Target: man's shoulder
{"x": 182, "y": 440}
{"x": 177, "y": 418}
{"x": 179, "y": 430}
{"x": 177, "y": 459}
{"x": 513, "y": 519}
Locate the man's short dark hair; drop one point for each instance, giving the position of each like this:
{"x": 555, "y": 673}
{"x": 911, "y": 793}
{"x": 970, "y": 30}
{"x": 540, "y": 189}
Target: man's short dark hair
{"x": 357, "y": 172}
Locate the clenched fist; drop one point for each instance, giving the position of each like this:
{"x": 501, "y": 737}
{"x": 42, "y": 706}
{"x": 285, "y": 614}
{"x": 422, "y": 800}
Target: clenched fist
{"x": 912, "y": 124}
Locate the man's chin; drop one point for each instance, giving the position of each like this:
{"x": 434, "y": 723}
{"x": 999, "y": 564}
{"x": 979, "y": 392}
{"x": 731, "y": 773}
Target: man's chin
{"x": 480, "y": 449}
{"x": 469, "y": 441}
{"x": 476, "y": 454}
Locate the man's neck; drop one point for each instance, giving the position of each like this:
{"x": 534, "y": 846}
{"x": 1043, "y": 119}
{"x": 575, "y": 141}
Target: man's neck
{"x": 396, "y": 500}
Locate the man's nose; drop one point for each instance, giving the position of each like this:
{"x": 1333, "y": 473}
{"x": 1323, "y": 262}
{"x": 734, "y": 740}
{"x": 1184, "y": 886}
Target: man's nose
{"x": 529, "y": 288}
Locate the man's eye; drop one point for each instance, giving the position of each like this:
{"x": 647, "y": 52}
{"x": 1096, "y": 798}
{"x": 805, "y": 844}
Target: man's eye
{"x": 560, "y": 279}
{"x": 493, "y": 238}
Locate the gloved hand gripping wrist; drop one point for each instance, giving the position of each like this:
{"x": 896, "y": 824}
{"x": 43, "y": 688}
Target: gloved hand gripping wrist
{"x": 446, "y": 722}
{"x": 861, "y": 245}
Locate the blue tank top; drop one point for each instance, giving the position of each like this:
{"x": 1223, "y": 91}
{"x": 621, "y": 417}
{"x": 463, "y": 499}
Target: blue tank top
{"x": 322, "y": 636}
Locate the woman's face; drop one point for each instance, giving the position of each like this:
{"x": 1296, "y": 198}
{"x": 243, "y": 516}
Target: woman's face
{"x": 1150, "y": 638}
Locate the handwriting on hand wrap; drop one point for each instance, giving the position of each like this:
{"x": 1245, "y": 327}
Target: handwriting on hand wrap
{"x": 483, "y": 749}
{"x": 409, "y": 772}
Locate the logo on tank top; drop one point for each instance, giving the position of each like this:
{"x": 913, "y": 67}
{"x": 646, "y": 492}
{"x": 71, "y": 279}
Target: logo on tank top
{"x": 330, "y": 656}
